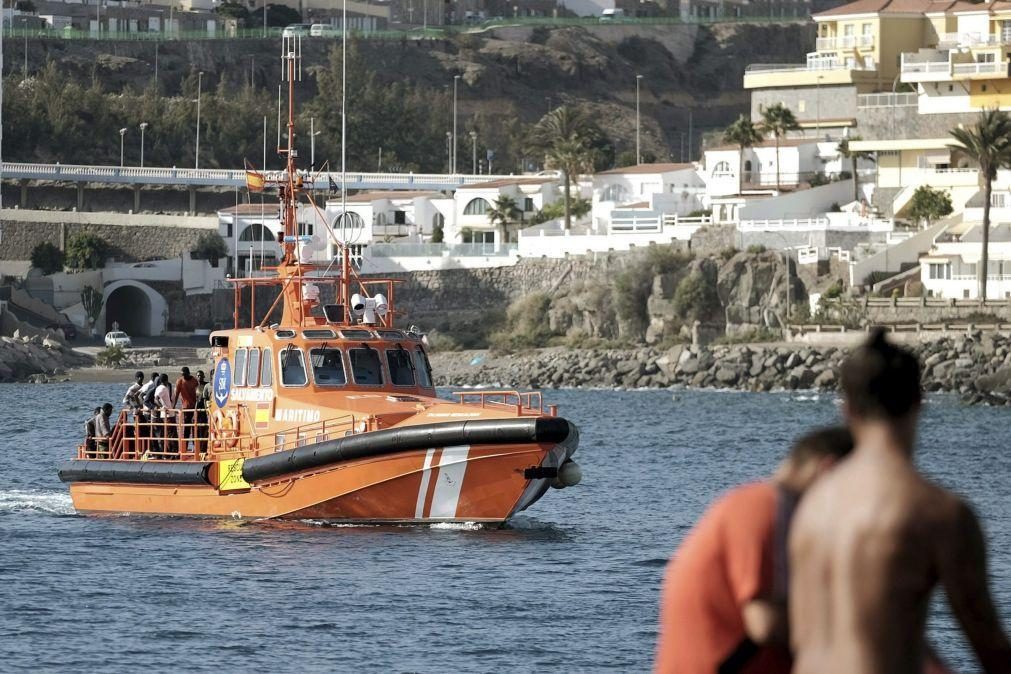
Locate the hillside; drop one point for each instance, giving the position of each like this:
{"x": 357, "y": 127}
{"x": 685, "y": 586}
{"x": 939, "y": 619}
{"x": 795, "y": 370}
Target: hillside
{"x": 509, "y": 78}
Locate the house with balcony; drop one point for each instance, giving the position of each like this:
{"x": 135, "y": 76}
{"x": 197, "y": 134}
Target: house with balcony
{"x": 645, "y": 191}
{"x": 473, "y": 203}
{"x": 390, "y": 216}
{"x": 949, "y": 270}
{"x": 250, "y": 233}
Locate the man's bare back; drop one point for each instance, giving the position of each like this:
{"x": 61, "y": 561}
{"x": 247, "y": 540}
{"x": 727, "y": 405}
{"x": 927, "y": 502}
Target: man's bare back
{"x": 869, "y": 543}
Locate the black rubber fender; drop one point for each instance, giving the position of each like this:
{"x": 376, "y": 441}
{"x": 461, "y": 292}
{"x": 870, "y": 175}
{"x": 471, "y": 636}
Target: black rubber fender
{"x": 407, "y": 438}
{"x": 136, "y": 472}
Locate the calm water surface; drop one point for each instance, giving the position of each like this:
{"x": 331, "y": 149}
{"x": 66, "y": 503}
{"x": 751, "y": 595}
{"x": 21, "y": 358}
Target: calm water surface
{"x": 571, "y": 586}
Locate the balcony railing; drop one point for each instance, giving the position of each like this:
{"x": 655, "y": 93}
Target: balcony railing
{"x": 973, "y": 39}
{"x": 887, "y": 100}
{"x": 812, "y": 65}
{"x": 844, "y": 42}
{"x": 981, "y": 68}
{"x": 926, "y": 67}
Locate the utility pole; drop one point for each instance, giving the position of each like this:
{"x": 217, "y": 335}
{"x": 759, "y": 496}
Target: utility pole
{"x": 200, "y": 81}
{"x": 456, "y": 80}
{"x": 122, "y": 136}
{"x": 638, "y": 143}
{"x": 473, "y": 140}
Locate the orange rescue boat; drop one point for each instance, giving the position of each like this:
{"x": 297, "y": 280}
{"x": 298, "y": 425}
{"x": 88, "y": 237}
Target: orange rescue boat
{"x": 330, "y": 413}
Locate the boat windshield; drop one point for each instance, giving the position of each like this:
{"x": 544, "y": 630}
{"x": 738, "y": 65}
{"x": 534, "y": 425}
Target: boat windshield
{"x": 328, "y": 367}
{"x": 424, "y": 368}
{"x": 400, "y": 366}
{"x": 366, "y": 367}
{"x": 292, "y": 368}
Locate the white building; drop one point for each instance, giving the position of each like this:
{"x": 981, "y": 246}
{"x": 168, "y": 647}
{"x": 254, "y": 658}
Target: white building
{"x": 645, "y": 190}
{"x": 391, "y": 216}
{"x": 473, "y": 202}
{"x": 949, "y": 269}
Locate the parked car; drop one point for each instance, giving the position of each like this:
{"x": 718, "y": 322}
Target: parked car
{"x": 324, "y": 30}
{"x": 296, "y": 30}
{"x": 612, "y": 14}
{"x": 118, "y": 338}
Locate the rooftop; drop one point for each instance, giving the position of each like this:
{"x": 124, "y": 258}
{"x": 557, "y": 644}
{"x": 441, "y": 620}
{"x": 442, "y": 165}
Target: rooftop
{"x": 269, "y": 209}
{"x": 648, "y": 168}
{"x": 891, "y": 7}
{"x": 783, "y": 142}
{"x": 364, "y": 197}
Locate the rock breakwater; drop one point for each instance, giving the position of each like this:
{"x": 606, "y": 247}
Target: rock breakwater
{"x": 37, "y": 358}
{"x": 977, "y": 366}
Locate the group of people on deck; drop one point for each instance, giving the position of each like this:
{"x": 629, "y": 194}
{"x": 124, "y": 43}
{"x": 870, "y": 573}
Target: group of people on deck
{"x": 173, "y": 418}
{"x": 828, "y": 566}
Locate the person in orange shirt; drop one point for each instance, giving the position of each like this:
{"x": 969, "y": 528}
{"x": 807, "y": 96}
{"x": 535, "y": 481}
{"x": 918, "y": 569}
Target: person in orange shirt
{"x": 723, "y": 607}
{"x": 186, "y": 393}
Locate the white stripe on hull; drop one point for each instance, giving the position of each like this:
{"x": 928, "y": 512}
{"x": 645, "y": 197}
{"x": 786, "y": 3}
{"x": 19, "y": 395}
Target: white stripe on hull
{"x": 452, "y": 469}
{"x": 426, "y": 475}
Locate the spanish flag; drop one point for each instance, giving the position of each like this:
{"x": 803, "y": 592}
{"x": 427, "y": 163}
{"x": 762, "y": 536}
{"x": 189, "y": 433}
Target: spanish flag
{"x": 255, "y": 181}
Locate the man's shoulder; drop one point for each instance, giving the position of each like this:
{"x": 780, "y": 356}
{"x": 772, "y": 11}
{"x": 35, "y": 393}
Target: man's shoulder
{"x": 750, "y": 501}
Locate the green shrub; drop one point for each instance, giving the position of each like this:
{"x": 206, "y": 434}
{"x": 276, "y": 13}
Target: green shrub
{"x": 438, "y": 232}
{"x": 211, "y": 247}
{"x": 700, "y": 213}
{"x": 695, "y": 298}
{"x": 86, "y": 251}
{"x": 47, "y": 258}
{"x": 728, "y": 253}
{"x": 526, "y": 324}
{"x": 818, "y": 179}
{"x": 438, "y": 341}
{"x": 756, "y": 249}
{"x": 111, "y": 357}
{"x": 834, "y": 291}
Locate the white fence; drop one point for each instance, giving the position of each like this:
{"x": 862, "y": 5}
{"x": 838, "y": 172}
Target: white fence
{"x": 817, "y": 224}
{"x": 887, "y": 100}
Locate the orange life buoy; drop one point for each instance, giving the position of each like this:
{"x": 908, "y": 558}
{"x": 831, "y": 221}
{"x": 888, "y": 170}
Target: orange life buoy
{"x": 226, "y": 427}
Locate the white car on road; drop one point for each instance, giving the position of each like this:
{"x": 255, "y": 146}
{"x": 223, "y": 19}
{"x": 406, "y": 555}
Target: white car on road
{"x": 117, "y": 338}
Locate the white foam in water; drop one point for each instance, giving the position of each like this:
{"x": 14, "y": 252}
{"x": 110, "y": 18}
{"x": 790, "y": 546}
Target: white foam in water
{"x": 457, "y": 526}
{"x": 33, "y": 500}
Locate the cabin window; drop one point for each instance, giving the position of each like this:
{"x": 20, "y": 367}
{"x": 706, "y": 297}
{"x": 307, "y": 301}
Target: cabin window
{"x": 424, "y": 368}
{"x": 292, "y": 368}
{"x": 401, "y": 368}
{"x": 284, "y": 334}
{"x": 365, "y": 366}
{"x": 239, "y": 371}
{"x": 266, "y": 370}
{"x": 328, "y": 367}
{"x": 253, "y": 368}
{"x": 318, "y": 334}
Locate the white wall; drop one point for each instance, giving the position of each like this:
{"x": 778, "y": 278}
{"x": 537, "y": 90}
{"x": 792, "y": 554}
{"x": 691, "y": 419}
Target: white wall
{"x": 799, "y": 204}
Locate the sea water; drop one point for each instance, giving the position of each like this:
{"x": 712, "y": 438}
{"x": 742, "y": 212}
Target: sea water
{"x": 571, "y": 585}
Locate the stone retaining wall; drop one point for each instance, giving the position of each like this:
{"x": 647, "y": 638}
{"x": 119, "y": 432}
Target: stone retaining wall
{"x": 129, "y": 243}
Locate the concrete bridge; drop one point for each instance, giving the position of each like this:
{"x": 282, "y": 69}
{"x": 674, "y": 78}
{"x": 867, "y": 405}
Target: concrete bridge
{"x": 139, "y": 177}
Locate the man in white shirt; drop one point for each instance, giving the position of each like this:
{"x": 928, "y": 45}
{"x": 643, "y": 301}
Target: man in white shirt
{"x": 132, "y": 399}
{"x": 163, "y": 401}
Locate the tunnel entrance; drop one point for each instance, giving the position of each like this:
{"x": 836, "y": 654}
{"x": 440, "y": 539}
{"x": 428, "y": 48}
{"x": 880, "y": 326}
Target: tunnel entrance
{"x": 130, "y": 307}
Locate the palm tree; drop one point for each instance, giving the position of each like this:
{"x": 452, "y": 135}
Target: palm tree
{"x": 988, "y": 142}
{"x": 744, "y": 134}
{"x": 502, "y": 213}
{"x": 568, "y": 139}
{"x": 854, "y": 156}
{"x": 778, "y": 120}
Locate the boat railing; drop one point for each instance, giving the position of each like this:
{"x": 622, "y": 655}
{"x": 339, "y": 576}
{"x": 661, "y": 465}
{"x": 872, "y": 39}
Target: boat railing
{"x": 524, "y": 404}
{"x": 307, "y": 434}
{"x": 141, "y": 434}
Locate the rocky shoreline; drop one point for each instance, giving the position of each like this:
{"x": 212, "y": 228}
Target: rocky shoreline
{"x": 977, "y": 366}
{"x": 37, "y": 358}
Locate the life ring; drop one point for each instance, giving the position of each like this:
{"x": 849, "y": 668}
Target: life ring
{"x": 226, "y": 427}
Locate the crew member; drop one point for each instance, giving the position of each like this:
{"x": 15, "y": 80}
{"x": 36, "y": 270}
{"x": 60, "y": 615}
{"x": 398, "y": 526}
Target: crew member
{"x": 167, "y": 414}
{"x": 186, "y": 395}
{"x": 203, "y": 401}
{"x": 723, "y": 607}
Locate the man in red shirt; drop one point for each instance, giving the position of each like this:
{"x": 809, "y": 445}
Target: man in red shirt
{"x": 723, "y": 607}
{"x": 186, "y": 393}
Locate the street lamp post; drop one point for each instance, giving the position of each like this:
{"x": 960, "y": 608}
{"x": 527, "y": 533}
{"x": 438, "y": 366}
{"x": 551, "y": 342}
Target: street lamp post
{"x": 638, "y": 144}
{"x": 200, "y": 80}
{"x": 122, "y": 135}
{"x": 817, "y": 107}
{"x": 449, "y": 150}
{"x": 473, "y": 142}
{"x": 143, "y": 125}
{"x": 456, "y": 81}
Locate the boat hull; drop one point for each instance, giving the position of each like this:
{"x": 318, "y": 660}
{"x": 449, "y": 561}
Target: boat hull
{"x": 480, "y": 483}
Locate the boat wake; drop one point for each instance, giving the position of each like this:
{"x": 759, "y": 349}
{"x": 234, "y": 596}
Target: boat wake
{"x": 34, "y": 500}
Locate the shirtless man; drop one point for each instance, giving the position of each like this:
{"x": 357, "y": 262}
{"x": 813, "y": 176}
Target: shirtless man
{"x": 872, "y": 539}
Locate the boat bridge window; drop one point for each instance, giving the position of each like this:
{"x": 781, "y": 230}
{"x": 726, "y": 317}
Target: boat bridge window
{"x": 401, "y": 368}
{"x": 365, "y": 366}
{"x": 328, "y": 367}
{"x": 266, "y": 369}
{"x": 319, "y": 334}
{"x": 284, "y": 334}
{"x": 356, "y": 334}
{"x": 292, "y": 367}
{"x": 239, "y": 370}
{"x": 424, "y": 368}
{"x": 391, "y": 334}
{"x": 253, "y": 368}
